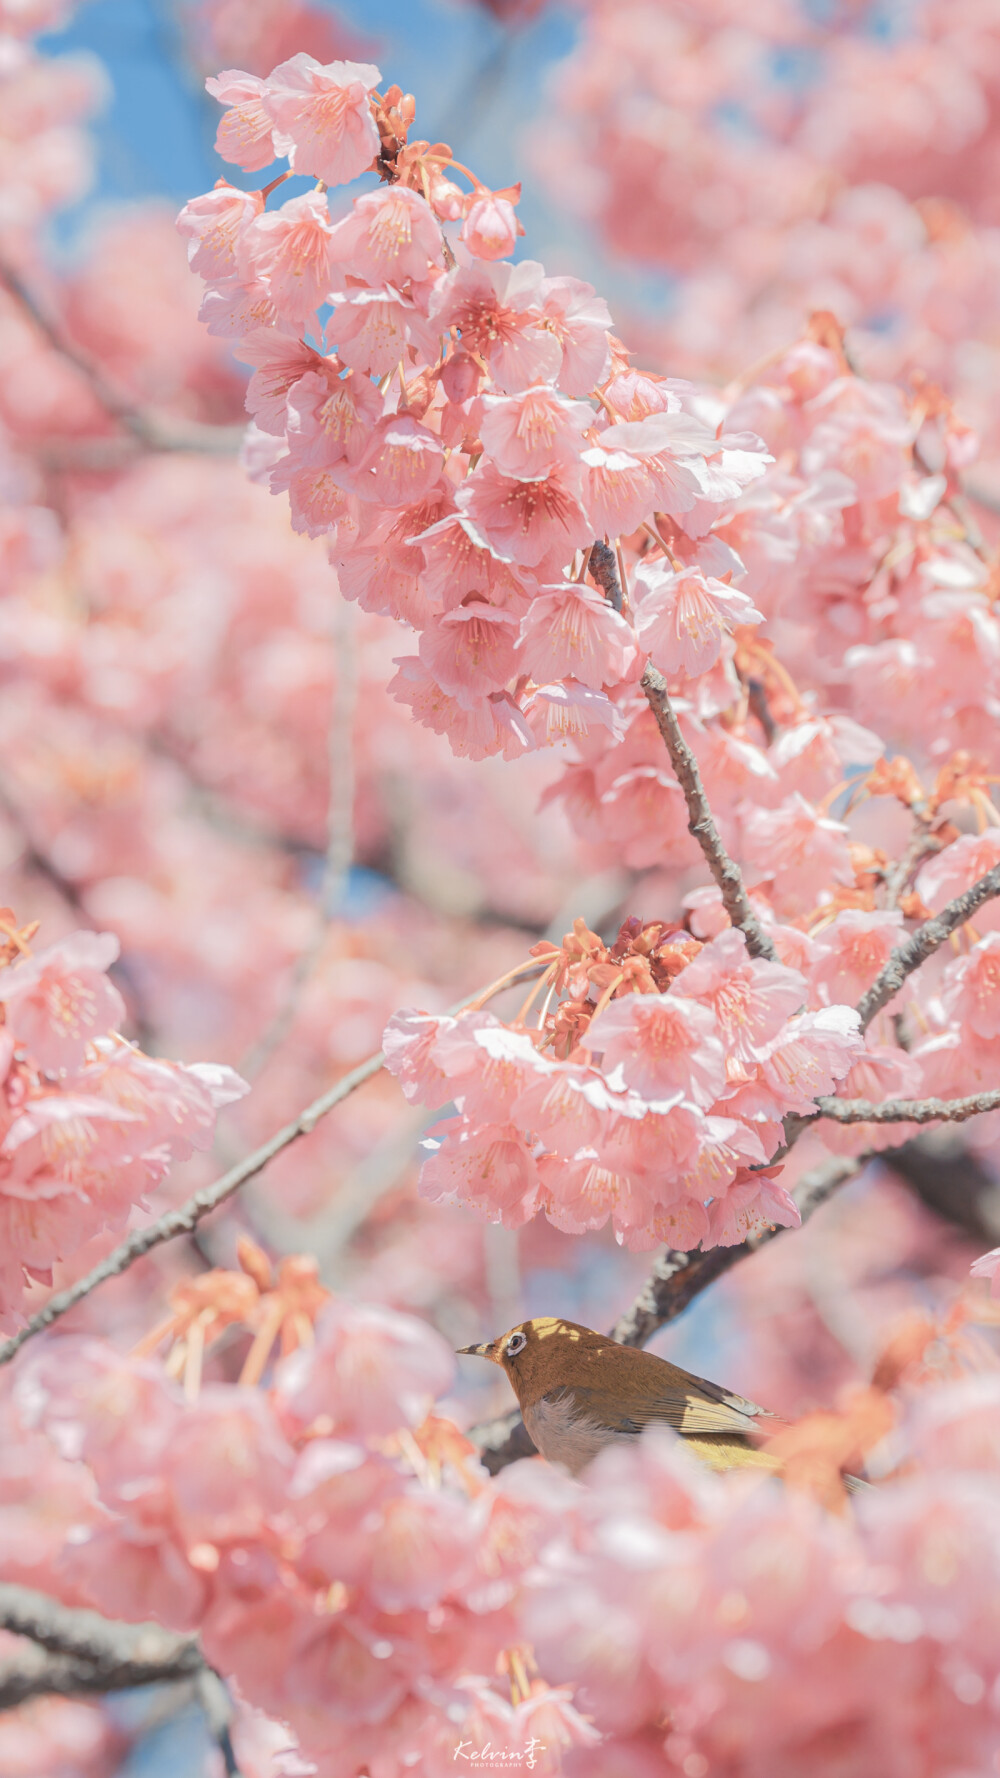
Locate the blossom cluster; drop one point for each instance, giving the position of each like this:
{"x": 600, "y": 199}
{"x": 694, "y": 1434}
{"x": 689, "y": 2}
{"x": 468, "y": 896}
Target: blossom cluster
{"x": 340, "y": 1554}
{"x": 653, "y": 1094}
{"x": 472, "y": 434}
{"x": 712, "y": 1628}
{"x": 788, "y": 161}
{"x": 89, "y": 1124}
{"x": 363, "y": 1583}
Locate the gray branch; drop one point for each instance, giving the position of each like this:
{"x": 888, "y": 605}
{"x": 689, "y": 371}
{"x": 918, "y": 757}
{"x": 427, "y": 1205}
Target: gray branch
{"x": 922, "y": 944}
{"x": 183, "y": 1220}
{"x": 80, "y": 1652}
{"x": 907, "y": 1111}
{"x": 701, "y": 822}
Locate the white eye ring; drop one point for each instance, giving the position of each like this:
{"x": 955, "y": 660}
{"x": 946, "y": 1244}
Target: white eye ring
{"x": 516, "y": 1344}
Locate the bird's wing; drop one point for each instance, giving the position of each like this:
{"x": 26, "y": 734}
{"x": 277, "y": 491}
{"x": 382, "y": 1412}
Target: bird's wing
{"x": 691, "y": 1405}
{"x": 710, "y": 1408}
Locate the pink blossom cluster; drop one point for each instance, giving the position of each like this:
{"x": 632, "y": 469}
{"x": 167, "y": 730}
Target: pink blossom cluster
{"x": 342, "y": 1557}
{"x": 89, "y": 1124}
{"x": 659, "y": 1106}
{"x": 357, "y": 1577}
{"x": 788, "y": 160}
{"x": 718, "y": 1627}
{"x": 475, "y": 430}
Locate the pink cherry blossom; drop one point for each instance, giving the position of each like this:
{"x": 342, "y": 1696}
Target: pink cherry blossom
{"x": 526, "y": 435}
{"x": 570, "y": 631}
{"x": 289, "y": 249}
{"x": 751, "y": 1205}
{"x": 369, "y": 1373}
{"x": 279, "y": 363}
{"x": 566, "y": 712}
{"x": 324, "y": 115}
{"x": 215, "y": 225}
{"x": 388, "y": 237}
{"x": 402, "y": 461}
{"x": 663, "y": 1043}
{"x": 683, "y": 618}
{"x": 489, "y": 1166}
{"x": 956, "y": 868}
{"x": 580, "y": 320}
{"x": 246, "y": 133}
{"x": 330, "y": 419}
{"x": 373, "y": 328}
{"x": 470, "y": 649}
{"x": 972, "y": 989}
{"x": 795, "y": 850}
{"x": 750, "y": 998}
{"x": 851, "y": 951}
{"x": 498, "y": 311}
{"x": 811, "y": 1055}
{"x": 524, "y": 521}
{"x": 59, "y": 1001}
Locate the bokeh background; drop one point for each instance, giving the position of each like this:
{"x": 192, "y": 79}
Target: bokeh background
{"x": 174, "y": 660}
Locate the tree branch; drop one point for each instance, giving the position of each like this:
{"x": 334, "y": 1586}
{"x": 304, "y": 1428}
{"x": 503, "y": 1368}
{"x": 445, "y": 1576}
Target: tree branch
{"x": 951, "y": 1180}
{"x": 924, "y": 942}
{"x": 603, "y": 565}
{"x": 183, "y": 1220}
{"x": 907, "y": 1111}
{"x": 86, "y": 1635}
{"x": 148, "y": 430}
{"x": 701, "y": 822}
{"x": 187, "y": 1217}
{"x": 80, "y": 1651}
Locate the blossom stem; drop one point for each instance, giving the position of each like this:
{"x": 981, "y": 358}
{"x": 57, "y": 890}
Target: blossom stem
{"x": 701, "y": 822}
{"x": 609, "y": 990}
{"x": 536, "y": 989}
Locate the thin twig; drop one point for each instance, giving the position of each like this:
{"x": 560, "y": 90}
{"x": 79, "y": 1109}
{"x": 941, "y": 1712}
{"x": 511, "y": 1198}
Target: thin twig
{"x": 184, "y": 1219}
{"x": 701, "y": 822}
{"x": 922, "y": 844}
{"x": 148, "y": 430}
{"x": 339, "y": 854}
{"x": 922, "y": 944}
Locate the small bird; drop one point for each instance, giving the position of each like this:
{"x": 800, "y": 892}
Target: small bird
{"x": 579, "y": 1390}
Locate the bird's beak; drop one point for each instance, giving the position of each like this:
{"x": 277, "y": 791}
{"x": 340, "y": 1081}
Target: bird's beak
{"x": 489, "y": 1350}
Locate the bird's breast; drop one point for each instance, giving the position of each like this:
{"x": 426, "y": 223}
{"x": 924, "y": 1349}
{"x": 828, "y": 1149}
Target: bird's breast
{"x": 564, "y": 1432}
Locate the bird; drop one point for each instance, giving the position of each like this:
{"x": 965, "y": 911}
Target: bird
{"x": 579, "y": 1391}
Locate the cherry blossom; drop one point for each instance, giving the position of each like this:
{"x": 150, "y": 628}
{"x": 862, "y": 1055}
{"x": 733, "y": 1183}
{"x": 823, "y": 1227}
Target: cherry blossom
{"x": 323, "y": 115}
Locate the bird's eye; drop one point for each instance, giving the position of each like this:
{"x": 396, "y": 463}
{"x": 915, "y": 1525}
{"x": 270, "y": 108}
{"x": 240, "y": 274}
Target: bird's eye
{"x": 516, "y": 1344}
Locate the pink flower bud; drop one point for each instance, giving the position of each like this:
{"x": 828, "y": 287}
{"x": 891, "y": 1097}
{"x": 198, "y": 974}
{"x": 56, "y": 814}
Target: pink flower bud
{"x": 460, "y": 377}
{"x": 491, "y": 228}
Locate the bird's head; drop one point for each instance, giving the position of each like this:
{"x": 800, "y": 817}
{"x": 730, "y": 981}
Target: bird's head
{"x": 543, "y": 1354}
